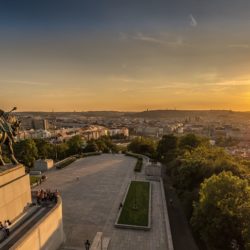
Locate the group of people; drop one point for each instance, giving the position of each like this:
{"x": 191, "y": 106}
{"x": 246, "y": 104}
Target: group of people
{"x": 5, "y": 227}
{"x": 46, "y": 195}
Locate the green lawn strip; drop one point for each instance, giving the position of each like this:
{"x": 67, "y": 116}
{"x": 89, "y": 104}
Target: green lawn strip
{"x": 138, "y": 193}
{"x": 139, "y": 163}
{"x": 34, "y": 179}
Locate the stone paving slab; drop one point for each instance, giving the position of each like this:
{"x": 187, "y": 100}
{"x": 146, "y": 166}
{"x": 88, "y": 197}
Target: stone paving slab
{"x": 91, "y": 203}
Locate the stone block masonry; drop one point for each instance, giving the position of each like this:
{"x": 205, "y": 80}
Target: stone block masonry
{"x": 14, "y": 192}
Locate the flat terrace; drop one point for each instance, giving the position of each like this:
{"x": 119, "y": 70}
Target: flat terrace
{"x": 92, "y": 189}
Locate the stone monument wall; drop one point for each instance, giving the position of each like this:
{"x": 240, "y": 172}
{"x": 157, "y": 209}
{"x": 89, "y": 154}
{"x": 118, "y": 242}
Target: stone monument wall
{"x": 46, "y": 234}
{"x": 14, "y": 192}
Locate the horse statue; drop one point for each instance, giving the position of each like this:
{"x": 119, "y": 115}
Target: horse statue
{"x": 9, "y": 127}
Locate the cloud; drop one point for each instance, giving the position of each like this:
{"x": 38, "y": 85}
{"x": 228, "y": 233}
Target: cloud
{"x": 239, "y": 46}
{"x": 208, "y": 77}
{"x": 125, "y": 79}
{"x": 123, "y": 36}
{"x": 234, "y": 83}
{"x": 178, "y": 42}
{"x": 151, "y": 39}
{"x": 66, "y": 94}
{"x": 165, "y": 40}
{"x": 193, "y": 21}
{"x": 28, "y": 83}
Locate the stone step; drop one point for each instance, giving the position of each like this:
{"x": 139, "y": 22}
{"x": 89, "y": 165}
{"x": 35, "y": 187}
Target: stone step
{"x": 71, "y": 248}
{"x": 105, "y": 243}
{"x": 20, "y": 230}
{"x": 28, "y": 213}
{"x": 18, "y": 222}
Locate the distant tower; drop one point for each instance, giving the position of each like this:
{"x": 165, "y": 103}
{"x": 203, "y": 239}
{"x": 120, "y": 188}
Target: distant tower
{"x": 53, "y": 119}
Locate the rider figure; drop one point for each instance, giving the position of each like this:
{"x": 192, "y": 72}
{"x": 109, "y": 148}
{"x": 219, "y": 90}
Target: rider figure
{"x": 4, "y": 124}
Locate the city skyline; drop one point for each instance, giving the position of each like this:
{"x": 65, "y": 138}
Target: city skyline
{"x": 128, "y": 56}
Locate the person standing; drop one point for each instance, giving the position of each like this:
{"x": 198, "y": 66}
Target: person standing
{"x": 87, "y": 244}
{"x": 7, "y": 228}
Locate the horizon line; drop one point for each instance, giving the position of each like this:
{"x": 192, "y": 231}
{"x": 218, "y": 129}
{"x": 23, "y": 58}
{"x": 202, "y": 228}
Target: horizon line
{"x": 140, "y": 111}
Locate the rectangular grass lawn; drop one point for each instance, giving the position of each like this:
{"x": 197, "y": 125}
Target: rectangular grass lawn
{"x": 136, "y": 206}
{"x": 34, "y": 179}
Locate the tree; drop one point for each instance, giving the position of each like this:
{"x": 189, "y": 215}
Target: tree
{"x": 91, "y": 147}
{"x": 191, "y": 141}
{"x": 106, "y": 145}
{"x": 44, "y": 148}
{"x": 118, "y": 137}
{"x": 144, "y": 146}
{"x": 167, "y": 147}
{"x": 26, "y": 152}
{"x": 75, "y": 145}
{"x": 191, "y": 167}
{"x": 61, "y": 151}
{"x": 222, "y": 215}
{"x": 103, "y": 144}
{"x": 190, "y": 161}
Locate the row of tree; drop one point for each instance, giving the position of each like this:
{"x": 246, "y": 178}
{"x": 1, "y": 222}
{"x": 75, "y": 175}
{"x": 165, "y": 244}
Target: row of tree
{"x": 212, "y": 185}
{"x": 142, "y": 145}
{"x": 29, "y": 150}
{"x": 103, "y": 144}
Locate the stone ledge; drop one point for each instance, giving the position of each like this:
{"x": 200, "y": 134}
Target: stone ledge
{"x": 8, "y": 168}
{"x": 11, "y": 173}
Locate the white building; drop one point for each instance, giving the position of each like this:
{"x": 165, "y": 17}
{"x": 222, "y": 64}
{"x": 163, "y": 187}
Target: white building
{"x": 118, "y": 131}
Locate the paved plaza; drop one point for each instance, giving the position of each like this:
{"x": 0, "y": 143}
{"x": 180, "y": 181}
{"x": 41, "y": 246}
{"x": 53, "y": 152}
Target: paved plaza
{"x": 92, "y": 189}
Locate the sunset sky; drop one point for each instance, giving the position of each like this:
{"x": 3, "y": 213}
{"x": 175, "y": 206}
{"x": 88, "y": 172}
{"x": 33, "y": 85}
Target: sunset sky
{"x": 67, "y": 55}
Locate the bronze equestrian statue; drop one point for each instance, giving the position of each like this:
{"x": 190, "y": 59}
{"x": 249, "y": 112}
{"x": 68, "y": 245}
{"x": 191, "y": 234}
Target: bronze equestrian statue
{"x": 9, "y": 127}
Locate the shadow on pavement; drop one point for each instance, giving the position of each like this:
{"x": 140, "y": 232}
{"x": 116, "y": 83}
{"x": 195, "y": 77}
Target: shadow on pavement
{"x": 181, "y": 232}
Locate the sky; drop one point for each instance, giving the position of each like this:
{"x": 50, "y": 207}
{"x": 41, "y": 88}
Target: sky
{"x": 78, "y": 55}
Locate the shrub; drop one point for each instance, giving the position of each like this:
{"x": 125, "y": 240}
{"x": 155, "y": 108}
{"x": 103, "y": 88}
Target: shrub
{"x": 65, "y": 163}
{"x": 138, "y": 165}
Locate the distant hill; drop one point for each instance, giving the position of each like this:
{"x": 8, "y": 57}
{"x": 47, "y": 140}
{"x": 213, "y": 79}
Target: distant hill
{"x": 150, "y": 114}
{"x": 103, "y": 113}
{"x": 108, "y": 114}
{"x": 154, "y": 114}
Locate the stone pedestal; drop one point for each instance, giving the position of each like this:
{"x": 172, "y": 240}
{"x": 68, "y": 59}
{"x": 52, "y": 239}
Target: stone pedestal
{"x": 43, "y": 165}
{"x": 15, "y": 192}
